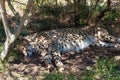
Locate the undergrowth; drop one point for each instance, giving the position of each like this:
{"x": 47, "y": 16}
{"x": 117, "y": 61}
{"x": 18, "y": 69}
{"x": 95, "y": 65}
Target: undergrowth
{"x": 104, "y": 69}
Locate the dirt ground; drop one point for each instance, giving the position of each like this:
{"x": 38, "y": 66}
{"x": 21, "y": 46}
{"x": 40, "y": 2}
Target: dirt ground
{"x": 34, "y": 69}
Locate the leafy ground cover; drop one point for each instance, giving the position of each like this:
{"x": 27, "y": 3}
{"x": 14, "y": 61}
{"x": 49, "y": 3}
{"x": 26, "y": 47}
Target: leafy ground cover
{"x": 90, "y": 64}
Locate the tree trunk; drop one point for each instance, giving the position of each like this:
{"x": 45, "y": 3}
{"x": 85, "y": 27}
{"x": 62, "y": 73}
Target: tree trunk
{"x": 16, "y": 14}
{"x": 8, "y": 45}
{"x": 10, "y": 38}
{"x": 4, "y": 18}
{"x": 11, "y": 7}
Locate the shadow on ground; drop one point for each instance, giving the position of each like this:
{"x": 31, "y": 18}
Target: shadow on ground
{"x": 73, "y": 62}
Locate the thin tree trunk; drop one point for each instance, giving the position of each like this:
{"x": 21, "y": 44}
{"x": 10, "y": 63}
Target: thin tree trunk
{"x": 10, "y": 38}
{"x": 11, "y": 7}
{"x": 4, "y": 18}
{"x": 16, "y": 14}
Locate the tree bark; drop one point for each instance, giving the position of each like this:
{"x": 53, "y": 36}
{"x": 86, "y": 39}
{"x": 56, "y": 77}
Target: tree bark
{"x": 11, "y": 7}
{"x": 10, "y": 38}
{"x": 4, "y": 18}
{"x": 16, "y": 14}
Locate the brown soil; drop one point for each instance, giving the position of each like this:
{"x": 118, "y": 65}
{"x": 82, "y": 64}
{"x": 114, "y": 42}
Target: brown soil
{"x": 33, "y": 68}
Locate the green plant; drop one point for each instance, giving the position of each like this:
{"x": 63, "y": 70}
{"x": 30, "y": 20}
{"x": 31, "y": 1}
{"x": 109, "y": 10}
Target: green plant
{"x": 107, "y": 68}
{"x": 3, "y": 64}
{"x": 14, "y": 55}
{"x": 111, "y": 15}
{"x": 25, "y": 32}
{"x": 88, "y": 75}
{"x": 54, "y": 76}
{"x": 104, "y": 69}
{"x": 60, "y": 76}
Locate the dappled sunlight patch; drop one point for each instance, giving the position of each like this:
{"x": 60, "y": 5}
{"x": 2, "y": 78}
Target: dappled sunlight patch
{"x": 85, "y": 65}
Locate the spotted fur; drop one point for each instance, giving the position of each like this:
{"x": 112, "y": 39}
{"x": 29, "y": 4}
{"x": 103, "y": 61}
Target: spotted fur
{"x": 51, "y": 44}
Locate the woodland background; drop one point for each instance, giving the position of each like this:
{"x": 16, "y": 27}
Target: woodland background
{"x": 41, "y": 15}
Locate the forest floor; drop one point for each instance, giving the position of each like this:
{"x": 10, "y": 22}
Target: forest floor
{"x": 19, "y": 67}
{"x": 74, "y": 63}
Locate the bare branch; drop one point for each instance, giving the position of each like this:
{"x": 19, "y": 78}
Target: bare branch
{"x": 28, "y": 8}
{"x": 16, "y": 14}
{"x": 19, "y": 2}
{"x": 4, "y": 18}
{"x": 11, "y": 7}
{"x": 8, "y": 45}
{"x": 9, "y": 36}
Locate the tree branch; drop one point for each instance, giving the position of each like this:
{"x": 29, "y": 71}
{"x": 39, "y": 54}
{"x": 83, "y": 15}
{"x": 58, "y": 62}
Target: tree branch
{"x": 4, "y": 18}
{"x": 8, "y": 45}
{"x": 28, "y": 8}
{"x": 19, "y": 2}
{"x": 16, "y": 14}
{"x": 11, "y": 7}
